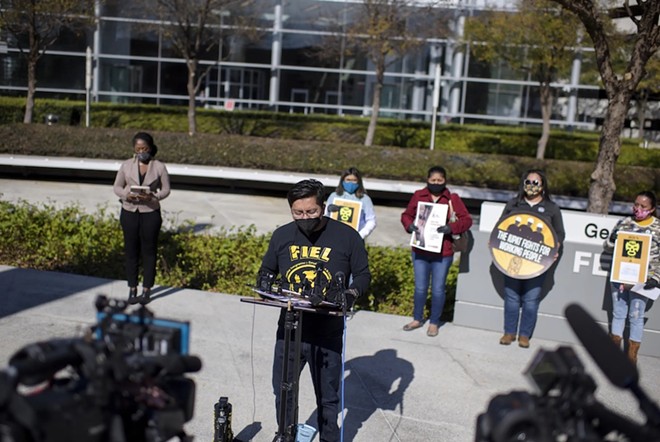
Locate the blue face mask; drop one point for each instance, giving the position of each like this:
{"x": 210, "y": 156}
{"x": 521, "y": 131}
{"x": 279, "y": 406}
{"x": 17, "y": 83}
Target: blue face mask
{"x": 350, "y": 187}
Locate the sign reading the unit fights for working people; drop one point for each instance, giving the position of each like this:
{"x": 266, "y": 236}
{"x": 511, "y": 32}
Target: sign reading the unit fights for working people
{"x": 523, "y": 245}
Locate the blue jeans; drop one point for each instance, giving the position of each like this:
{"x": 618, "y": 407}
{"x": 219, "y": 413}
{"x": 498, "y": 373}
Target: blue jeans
{"x": 627, "y": 304}
{"x": 435, "y": 269}
{"x": 522, "y": 294}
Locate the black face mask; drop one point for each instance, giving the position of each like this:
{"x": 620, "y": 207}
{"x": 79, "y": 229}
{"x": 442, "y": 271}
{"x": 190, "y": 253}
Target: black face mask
{"x": 144, "y": 157}
{"x": 436, "y": 189}
{"x": 308, "y": 225}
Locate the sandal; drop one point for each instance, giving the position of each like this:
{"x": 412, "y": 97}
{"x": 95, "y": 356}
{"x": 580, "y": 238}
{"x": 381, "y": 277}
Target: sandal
{"x": 413, "y": 325}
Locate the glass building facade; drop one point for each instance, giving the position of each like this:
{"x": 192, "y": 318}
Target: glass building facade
{"x": 297, "y": 60}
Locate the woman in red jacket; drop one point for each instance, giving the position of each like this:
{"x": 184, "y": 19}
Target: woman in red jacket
{"x": 431, "y": 266}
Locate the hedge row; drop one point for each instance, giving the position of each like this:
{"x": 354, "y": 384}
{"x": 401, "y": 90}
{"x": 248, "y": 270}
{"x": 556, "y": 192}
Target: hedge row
{"x": 503, "y": 140}
{"x": 570, "y": 178}
{"x": 70, "y": 240}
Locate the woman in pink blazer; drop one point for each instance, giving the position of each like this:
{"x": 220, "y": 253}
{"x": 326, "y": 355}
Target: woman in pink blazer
{"x": 141, "y": 183}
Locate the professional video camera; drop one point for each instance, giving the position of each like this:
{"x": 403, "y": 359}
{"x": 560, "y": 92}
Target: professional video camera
{"x": 122, "y": 382}
{"x": 565, "y": 408}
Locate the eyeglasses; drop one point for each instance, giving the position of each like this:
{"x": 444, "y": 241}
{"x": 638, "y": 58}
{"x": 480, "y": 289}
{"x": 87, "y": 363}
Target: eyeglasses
{"x": 532, "y": 182}
{"x": 312, "y": 213}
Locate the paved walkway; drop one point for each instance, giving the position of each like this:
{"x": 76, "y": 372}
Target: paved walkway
{"x": 206, "y": 210}
{"x": 400, "y": 386}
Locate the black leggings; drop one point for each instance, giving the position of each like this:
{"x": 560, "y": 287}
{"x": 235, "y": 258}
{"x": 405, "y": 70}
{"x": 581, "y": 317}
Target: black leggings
{"x": 140, "y": 238}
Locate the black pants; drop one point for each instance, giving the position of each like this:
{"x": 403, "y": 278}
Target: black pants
{"x": 140, "y": 240}
{"x": 325, "y": 367}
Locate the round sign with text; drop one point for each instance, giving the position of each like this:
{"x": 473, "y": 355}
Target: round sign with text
{"x": 523, "y": 245}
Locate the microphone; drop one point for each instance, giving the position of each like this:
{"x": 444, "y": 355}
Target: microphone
{"x": 36, "y": 363}
{"x": 316, "y": 297}
{"x": 613, "y": 363}
{"x": 169, "y": 364}
{"x": 610, "y": 359}
{"x": 340, "y": 280}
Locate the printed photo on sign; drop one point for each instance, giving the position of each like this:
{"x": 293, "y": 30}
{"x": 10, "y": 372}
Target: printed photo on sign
{"x": 348, "y": 213}
{"x": 523, "y": 245}
{"x": 630, "y": 261}
{"x": 429, "y": 217}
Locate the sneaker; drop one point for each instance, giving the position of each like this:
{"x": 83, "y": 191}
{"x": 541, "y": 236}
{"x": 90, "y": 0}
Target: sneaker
{"x": 132, "y": 296}
{"x": 507, "y": 339}
{"x": 432, "y": 330}
{"x": 413, "y": 325}
{"x": 523, "y": 341}
{"x": 146, "y": 296}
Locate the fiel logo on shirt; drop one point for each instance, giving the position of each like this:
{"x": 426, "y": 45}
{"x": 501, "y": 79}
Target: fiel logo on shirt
{"x": 307, "y": 252}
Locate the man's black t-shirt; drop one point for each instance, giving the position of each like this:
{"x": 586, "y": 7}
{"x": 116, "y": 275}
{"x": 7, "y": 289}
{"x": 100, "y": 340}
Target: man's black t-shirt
{"x": 295, "y": 257}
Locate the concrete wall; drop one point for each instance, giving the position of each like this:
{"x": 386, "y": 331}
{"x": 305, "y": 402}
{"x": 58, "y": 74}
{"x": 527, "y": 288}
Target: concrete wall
{"x": 577, "y": 278}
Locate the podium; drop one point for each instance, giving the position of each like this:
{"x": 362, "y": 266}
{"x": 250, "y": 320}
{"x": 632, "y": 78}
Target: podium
{"x": 295, "y": 307}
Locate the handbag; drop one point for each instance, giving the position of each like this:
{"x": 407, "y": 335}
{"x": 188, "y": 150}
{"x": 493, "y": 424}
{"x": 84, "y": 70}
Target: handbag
{"x": 460, "y": 241}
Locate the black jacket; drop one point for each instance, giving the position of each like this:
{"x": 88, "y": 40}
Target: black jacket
{"x": 546, "y": 210}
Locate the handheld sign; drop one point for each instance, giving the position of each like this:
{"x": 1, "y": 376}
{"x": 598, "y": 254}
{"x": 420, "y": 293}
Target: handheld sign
{"x": 523, "y": 245}
{"x": 348, "y": 213}
{"x": 630, "y": 261}
{"x": 429, "y": 217}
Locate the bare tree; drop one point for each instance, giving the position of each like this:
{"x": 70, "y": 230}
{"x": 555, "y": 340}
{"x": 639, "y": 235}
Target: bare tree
{"x": 35, "y": 26}
{"x": 620, "y": 86}
{"x": 650, "y": 84}
{"x": 192, "y": 27}
{"x": 382, "y": 32}
{"x": 540, "y": 38}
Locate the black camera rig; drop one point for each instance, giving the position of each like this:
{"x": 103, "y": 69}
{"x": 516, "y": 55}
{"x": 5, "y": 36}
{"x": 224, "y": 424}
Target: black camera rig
{"x": 105, "y": 386}
{"x": 565, "y": 408}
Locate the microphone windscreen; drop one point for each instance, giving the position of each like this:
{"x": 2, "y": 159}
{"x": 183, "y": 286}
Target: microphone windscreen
{"x": 172, "y": 364}
{"x": 610, "y": 359}
{"x": 340, "y": 279}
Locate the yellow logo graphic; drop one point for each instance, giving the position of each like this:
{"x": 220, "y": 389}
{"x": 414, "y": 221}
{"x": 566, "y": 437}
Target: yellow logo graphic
{"x": 632, "y": 248}
{"x": 346, "y": 214}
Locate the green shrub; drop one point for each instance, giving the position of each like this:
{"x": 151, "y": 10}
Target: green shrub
{"x": 504, "y": 140}
{"x": 479, "y": 156}
{"x": 69, "y": 240}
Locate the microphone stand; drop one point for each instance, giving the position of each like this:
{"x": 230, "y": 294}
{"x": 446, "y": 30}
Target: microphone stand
{"x": 292, "y": 321}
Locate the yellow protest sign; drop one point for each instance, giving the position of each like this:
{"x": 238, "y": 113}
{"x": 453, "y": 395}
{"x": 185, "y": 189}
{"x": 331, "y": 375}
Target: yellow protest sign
{"x": 523, "y": 245}
{"x": 630, "y": 261}
{"x": 348, "y": 213}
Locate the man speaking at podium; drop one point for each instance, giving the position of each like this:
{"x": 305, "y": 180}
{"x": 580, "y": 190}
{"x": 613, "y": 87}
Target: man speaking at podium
{"x": 310, "y": 254}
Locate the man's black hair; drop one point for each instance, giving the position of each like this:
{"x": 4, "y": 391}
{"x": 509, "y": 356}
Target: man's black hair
{"x": 305, "y": 189}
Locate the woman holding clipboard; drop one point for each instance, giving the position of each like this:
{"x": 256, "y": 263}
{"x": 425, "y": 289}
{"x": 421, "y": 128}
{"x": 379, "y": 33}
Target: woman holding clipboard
{"x": 625, "y": 302}
{"x": 352, "y": 188}
{"x": 140, "y": 184}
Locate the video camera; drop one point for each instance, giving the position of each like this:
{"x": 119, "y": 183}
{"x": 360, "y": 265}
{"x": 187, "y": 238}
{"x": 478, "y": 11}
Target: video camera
{"x": 122, "y": 382}
{"x": 565, "y": 408}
